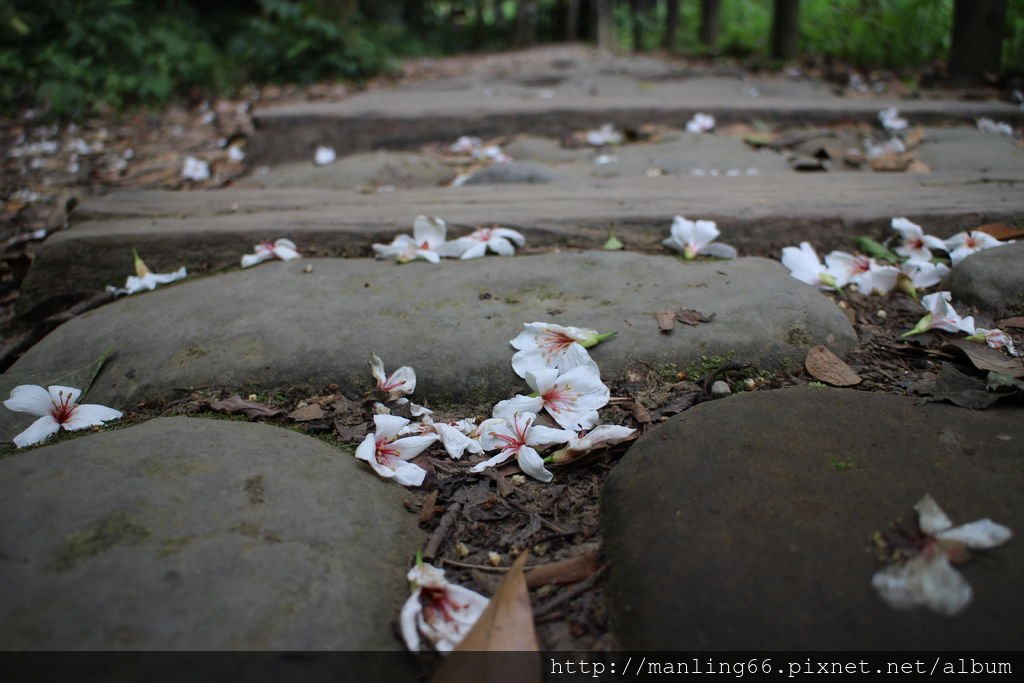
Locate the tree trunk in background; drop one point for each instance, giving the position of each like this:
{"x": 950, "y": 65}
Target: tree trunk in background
{"x": 636, "y": 12}
{"x": 786, "y": 29}
{"x": 572, "y": 20}
{"x": 978, "y": 28}
{"x": 526, "y": 22}
{"x": 587, "y": 24}
{"x": 668, "y": 40}
{"x": 605, "y": 24}
{"x": 709, "y": 10}
{"x": 498, "y": 7}
{"x": 479, "y": 23}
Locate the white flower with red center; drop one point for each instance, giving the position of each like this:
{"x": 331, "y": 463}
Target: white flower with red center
{"x": 455, "y": 441}
{"x": 923, "y": 274}
{"x": 388, "y": 455}
{"x": 438, "y": 611}
{"x": 697, "y": 237}
{"x": 144, "y": 279}
{"x": 519, "y": 438}
{"x": 868, "y": 274}
{"x": 401, "y": 382}
{"x": 601, "y": 436}
{"x": 283, "y": 249}
{"x": 56, "y": 407}
{"x": 546, "y": 345}
{"x": 700, "y": 123}
{"x": 427, "y": 242}
{"x": 501, "y": 241}
{"x": 941, "y": 316}
{"x": 803, "y": 264}
{"x": 928, "y": 579}
{"x": 571, "y": 398}
{"x": 963, "y": 244}
{"x": 916, "y": 245}
{"x": 996, "y": 339}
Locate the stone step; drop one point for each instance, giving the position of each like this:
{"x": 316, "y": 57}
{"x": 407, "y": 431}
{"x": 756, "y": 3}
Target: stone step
{"x": 211, "y": 230}
{"x": 443, "y": 110}
{"x": 275, "y": 326}
{"x": 746, "y": 523}
{"x": 191, "y": 534}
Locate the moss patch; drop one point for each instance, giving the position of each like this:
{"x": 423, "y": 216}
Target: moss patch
{"x": 117, "y": 528}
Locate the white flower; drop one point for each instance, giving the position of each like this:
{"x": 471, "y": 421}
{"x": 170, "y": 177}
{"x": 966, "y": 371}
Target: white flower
{"x": 928, "y": 579}
{"x": 604, "y": 159}
{"x": 697, "y": 237}
{"x": 546, "y": 345}
{"x": 401, "y": 382}
{"x": 891, "y": 120}
{"x": 963, "y": 244}
{"x": 144, "y": 280}
{"x": 195, "y": 169}
{"x": 439, "y": 611}
{"x": 867, "y": 273}
{"x": 455, "y": 441}
{"x": 803, "y": 264}
{"x": 476, "y": 244}
{"x": 283, "y": 249}
{"x": 986, "y": 125}
{"x": 941, "y": 316}
{"x": 518, "y": 437}
{"x": 601, "y": 436}
{"x": 700, "y": 123}
{"x": 891, "y": 146}
{"x": 915, "y": 244}
{"x": 996, "y": 339}
{"x": 923, "y": 274}
{"x": 466, "y": 143}
{"x": 427, "y": 242}
{"x": 236, "y": 153}
{"x": 605, "y": 135}
{"x": 387, "y": 454}
{"x": 571, "y": 398}
{"x": 324, "y": 155}
{"x": 493, "y": 153}
{"x": 56, "y": 407}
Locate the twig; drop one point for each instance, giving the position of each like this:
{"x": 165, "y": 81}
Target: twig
{"x": 582, "y": 587}
{"x": 553, "y": 526}
{"x": 430, "y": 552}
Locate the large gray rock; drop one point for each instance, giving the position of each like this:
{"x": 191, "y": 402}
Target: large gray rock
{"x": 370, "y": 170}
{"x": 968, "y": 150}
{"x": 515, "y": 173}
{"x": 992, "y": 279}
{"x": 188, "y": 534}
{"x": 746, "y": 523}
{"x": 693, "y": 154}
{"x": 275, "y": 326}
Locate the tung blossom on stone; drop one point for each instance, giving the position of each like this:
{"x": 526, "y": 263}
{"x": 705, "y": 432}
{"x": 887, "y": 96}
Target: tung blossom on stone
{"x": 963, "y": 244}
{"x": 547, "y": 345}
{"x": 144, "y": 279}
{"x": 928, "y": 579}
{"x": 195, "y": 170}
{"x": 571, "y": 398}
{"x": 466, "y": 144}
{"x": 693, "y": 238}
{"x": 519, "y": 438}
{"x": 891, "y": 120}
{"x": 427, "y": 242}
{"x": 324, "y": 155}
{"x": 501, "y": 241}
{"x": 438, "y": 611}
{"x": 803, "y": 264}
{"x": 700, "y": 123}
{"x": 56, "y": 407}
{"x": 601, "y": 436}
{"x": 868, "y": 274}
{"x": 986, "y": 125}
{"x": 388, "y": 454}
{"x": 941, "y": 316}
{"x": 401, "y": 382}
{"x": 283, "y": 249}
{"x": 916, "y": 245}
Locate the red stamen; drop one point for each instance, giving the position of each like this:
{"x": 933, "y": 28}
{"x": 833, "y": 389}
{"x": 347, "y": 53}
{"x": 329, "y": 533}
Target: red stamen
{"x": 63, "y": 411}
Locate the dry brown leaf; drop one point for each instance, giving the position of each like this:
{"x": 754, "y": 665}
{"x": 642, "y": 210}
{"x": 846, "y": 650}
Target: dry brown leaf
{"x": 564, "y": 571}
{"x": 891, "y": 163}
{"x": 1015, "y": 322}
{"x": 307, "y": 413}
{"x": 987, "y": 359}
{"x": 914, "y": 137}
{"x": 690, "y": 317}
{"x": 918, "y": 166}
{"x": 666, "y": 321}
{"x": 1001, "y": 231}
{"x": 236, "y": 404}
{"x": 827, "y": 367}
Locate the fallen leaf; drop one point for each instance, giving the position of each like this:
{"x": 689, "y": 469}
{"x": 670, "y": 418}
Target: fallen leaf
{"x": 1001, "y": 231}
{"x": 918, "y": 166}
{"x": 564, "y": 571}
{"x": 891, "y": 163}
{"x": 351, "y": 433}
{"x": 988, "y": 359}
{"x": 666, "y": 321}
{"x": 758, "y": 140}
{"x": 827, "y": 367}
{"x": 236, "y": 404}
{"x": 962, "y": 390}
{"x": 690, "y": 317}
{"x": 998, "y": 382}
{"x": 307, "y": 413}
{"x": 1015, "y": 322}
{"x": 914, "y": 137}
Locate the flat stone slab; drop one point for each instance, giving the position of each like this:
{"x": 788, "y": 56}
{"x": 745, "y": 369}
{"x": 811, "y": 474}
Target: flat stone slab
{"x": 359, "y": 171}
{"x": 275, "y": 326}
{"x": 190, "y": 534}
{"x": 992, "y": 279}
{"x": 969, "y": 150}
{"x": 746, "y": 523}
{"x": 211, "y": 230}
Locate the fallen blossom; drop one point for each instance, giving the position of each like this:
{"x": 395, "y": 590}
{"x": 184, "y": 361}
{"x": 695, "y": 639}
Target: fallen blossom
{"x": 388, "y": 455}
{"x": 986, "y": 125}
{"x": 501, "y": 241}
{"x": 572, "y": 398}
{"x": 236, "y": 153}
{"x": 915, "y": 245}
{"x": 144, "y": 279}
{"x": 324, "y": 155}
{"x": 195, "y": 169}
{"x": 282, "y": 248}
{"x": 996, "y": 339}
{"x": 803, "y": 264}
{"x": 519, "y": 437}
{"x": 56, "y": 407}
{"x": 547, "y": 345}
{"x": 456, "y": 443}
{"x": 963, "y": 244}
{"x": 891, "y": 120}
{"x": 697, "y": 237}
{"x": 401, "y": 382}
{"x": 601, "y": 436}
{"x": 868, "y": 274}
{"x": 466, "y": 143}
{"x": 916, "y": 275}
{"x": 492, "y": 153}
{"x": 604, "y": 159}
{"x": 438, "y": 611}
{"x": 890, "y": 146}
{"x": 605, "y": 135}
{"x": 427, "y": 242}
{"x": 700, "y": 123}
{"x": 941, "y": 316}
{"x": 928, "y": 579}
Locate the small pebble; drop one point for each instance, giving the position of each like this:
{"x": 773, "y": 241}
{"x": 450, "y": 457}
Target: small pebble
{"x": 253, "y": 397}
{"x": 517, "y": 479}
{"x": 749, "y": 384}
{"x": 461, "y": 550}
{"x": 720, "y": 389}
{"x": 307, "y": 269}
{"x": 494, "y": 558}
{"x": 881, "y": 314}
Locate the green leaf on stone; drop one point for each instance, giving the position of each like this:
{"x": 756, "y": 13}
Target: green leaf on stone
{"x": 83, "y": 377}
{"x": 613, "y": 243}
{"x": 873, "y": 248}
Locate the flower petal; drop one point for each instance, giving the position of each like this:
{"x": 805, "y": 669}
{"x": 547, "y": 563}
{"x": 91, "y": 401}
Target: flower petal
{"x": 930, "y": 516}
{"x": 37, "y": 432}
{"x": 31, "y": 399}
{"x": 455, "y": 442}
{"x": 59, "y": 393}
{"x": 411, "y": 610}
{"x": 501, "y": 246}
{"x": 518, "y": 404}
{"x": 388, "y": 426}
{"x": 928, "y": 581}
{"x": 491, "y": 430}
{"x": 90, "y": 414}
{"x": 719, "y": 250}
{"x": 510, "y": 234}
{"x": 411, "y": 446}
{"x": 981, "y": 534}
{"x": 542, "y": 436}
{"x": 492, "y": 461}
{"x": 429, "y": 230}
{"x": 532, "y": 464}
{"x": 253, "y": 259}
{"x": 409, "y": 474}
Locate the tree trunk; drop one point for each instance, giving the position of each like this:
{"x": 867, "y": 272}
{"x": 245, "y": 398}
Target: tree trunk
{"x": 605, "y": 24}
{"x": 587, "y": 24}
{"x": 480, "y": 25}
{"x": 977, "y": 48}
{"x": 709, "y": 22}
{"x": 498, "y": 7}
{"x": 526, "y": 22}
{"x": 636, "y": 19}
{"x": 786, "y": 29}
{"x": 668, "y": 40}
{"x": 572, "y": 20}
